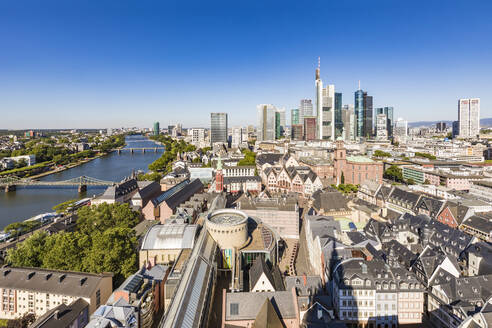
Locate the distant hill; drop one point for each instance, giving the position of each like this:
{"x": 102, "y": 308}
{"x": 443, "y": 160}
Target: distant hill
{"x": 484, "y": 122}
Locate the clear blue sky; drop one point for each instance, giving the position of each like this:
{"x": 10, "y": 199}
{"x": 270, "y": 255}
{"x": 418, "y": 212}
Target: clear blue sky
{"x": 128, "y": 63}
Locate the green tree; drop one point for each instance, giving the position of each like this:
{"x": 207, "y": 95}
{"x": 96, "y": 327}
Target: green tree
{"x": 381, "y": 154}
{"x": 62, "y": 207}
{"x": 410, "y": 181}
{"x": 63, "y": 252}
{"x": 394, "y": 173}
{"x": 113, "y": 250}
{"x": 30, "y": 252}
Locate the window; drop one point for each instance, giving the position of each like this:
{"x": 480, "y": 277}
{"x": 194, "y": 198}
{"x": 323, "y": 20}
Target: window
{"x": 234, "y": 308}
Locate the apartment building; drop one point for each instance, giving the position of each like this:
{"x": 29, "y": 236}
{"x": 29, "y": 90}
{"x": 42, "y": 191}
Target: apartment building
{"x": 34, "y": 290}
{"x": 375, "y": 295}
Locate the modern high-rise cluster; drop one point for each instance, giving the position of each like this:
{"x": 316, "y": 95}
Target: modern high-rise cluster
{"x": 328, "y": 119}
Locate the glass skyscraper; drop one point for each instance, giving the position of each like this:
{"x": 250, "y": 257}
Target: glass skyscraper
{"x": 368, "y": 128}
{"x": 294, "y": 116}
{"x": 338, "y": 115}
{"x": 218, "y": 128}
{"x": 359, "y": 113}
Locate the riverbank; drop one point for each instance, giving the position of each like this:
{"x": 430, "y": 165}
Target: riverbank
{"x": 68, "y": 166}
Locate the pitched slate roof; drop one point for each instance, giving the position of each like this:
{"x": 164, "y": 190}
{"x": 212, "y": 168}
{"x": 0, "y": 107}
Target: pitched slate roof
{"x": 433, "y": 206}
{"x": 62, "y": 315}
{"x": 259, "y": 268}
{"x": 51, "y": 281}
{"x": 269, "y": 158}
{"x": 330, "y": 201}
{"x": 248, "y": 305}
{"x": 267, "y": 317}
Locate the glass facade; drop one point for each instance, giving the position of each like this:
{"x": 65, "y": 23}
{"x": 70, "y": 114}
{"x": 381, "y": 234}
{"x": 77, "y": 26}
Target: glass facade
{"x": 218, "y": 127}
{"x": 359, "y": 113}
{"x": 278, "y": 126}
{"x": 388, "y": 111}
{"x": 156, "y": 129}
{"x": 294, "y": 116}
{"x": 368, "y": 113}
{"x": 338, "y": 115}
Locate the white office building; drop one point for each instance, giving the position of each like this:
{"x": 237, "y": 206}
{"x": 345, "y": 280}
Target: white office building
{"x": 197, "y": 136}
{"x": 468, "y": 117}
{"x": 401, "y": 129}
{"x": 381, "y": 127}
{"x": 237, "y": 137}
{"x": 305, "y": 109}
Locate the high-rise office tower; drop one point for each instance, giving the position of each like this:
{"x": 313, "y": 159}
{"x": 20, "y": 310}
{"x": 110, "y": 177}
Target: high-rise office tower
{"x": 305, "y": 109}
{"x": 310, "y": 127}
{"x": 197, "y": 136}
{"x": 294, "y": 116}
{"x": 156, "y": 130}
{"x": 368, "y": 126}
{"x": 388, "y": 111}
{"x": 319, "y": 102}
{"x": 218, "y": 128}
{"x": 281, "y": 122}
{"x": 325, "y": 107}
{"x": 469, "y": 117}
{"x": 278, "y": 126}
{"x": 266, "y": 122}
{"x": 237, "y": 137}
{"x": 338, "y": 115}
{"x": 348, "y": 119}
{"x": 359, "y": 113}
{"x": 363, "y": 114}
{"x": 381, "y": 127}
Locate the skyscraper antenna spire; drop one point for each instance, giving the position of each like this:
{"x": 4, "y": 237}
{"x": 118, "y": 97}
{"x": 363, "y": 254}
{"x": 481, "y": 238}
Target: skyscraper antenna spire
{"x": 319, "y": 62}
{"x": 359, "y": 84}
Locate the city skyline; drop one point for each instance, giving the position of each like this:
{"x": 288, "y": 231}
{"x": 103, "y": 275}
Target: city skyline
{"x": 96, "y": 69}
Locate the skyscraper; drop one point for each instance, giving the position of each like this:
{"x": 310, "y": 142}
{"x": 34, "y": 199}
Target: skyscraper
{"x": 294, "y": 116}
{"x": 363, "y": 114}
{"x": 218, "y": 128}
{"x": 359, "y": 113}
{"x": 278, "y": 126}
{"x": 469, "y": 117}
{"x": 319, "y": 102}
{"x": 237, "y": 137}
{"x": 281, "y": 122}
{"x": 368, "y": 126}
{"x": 338, "y": 115}
{"x": 381, "y": 127}
{"x": 388, "y": 111}
{"x": 266, "y": 122}
{"x": 348, "y": 118}
{"x": 310, "y": 128}
{"x": 305, "y": 109}
{"x": 156, "y": 130}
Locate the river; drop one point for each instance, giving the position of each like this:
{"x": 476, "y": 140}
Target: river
{"x": 27, "y": 202}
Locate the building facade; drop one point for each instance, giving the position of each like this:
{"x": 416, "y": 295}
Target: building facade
{"x": 266, "y": 122}
{"x": 469, "y": 117}
{"x": 218, "y": 128}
